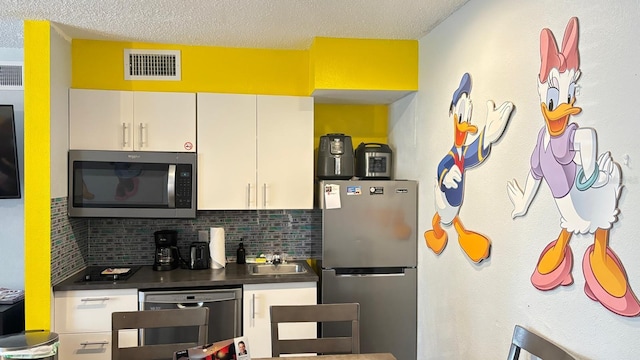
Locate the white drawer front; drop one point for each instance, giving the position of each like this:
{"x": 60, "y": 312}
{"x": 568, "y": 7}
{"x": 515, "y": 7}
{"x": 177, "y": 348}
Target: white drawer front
{"x": 92, "y": 346}
{"x": 90, "y": 310}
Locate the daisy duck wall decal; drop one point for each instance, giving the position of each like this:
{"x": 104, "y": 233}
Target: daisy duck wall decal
{"x": 585, "y": 186}
{"x": 467, "y": 152}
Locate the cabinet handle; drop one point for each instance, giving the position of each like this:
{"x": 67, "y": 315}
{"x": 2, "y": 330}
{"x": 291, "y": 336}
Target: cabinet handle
{"x": 253, "y": 308}
{"x": 95, "y": 299}
{"x": 143, "y": 127}
{"x": 249, "y": 196}
{"x": 264, "y": 195}
{"x": 88, "y": 343}
{"x": 125, "y": 136}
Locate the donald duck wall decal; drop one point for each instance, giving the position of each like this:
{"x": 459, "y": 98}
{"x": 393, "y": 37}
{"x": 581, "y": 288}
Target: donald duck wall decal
{"x": 467, "y": 152}
{"x": 585, "y": 186}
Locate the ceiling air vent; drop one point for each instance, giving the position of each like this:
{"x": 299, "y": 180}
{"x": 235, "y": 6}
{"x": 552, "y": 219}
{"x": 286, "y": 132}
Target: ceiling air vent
{"x": 11, "y": 75}
{"x": 151, "y": 64}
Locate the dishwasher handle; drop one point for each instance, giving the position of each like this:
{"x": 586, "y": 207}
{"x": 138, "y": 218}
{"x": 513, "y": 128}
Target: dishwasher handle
{"x": 187, "y": 297}
{"x": 190, "y": 305}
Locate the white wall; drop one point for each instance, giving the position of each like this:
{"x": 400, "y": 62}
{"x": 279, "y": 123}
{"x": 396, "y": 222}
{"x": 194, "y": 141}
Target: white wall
{"x": 60, "y": 84}
{"x": 12, "y": 210}
{"x": 466, "y": 310}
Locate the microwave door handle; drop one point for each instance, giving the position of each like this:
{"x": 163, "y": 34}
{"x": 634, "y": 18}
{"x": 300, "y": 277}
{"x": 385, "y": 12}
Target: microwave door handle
{"x": 171, "y": 186}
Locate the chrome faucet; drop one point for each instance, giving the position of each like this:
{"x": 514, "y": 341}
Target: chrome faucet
{"x": 275, "y": 260}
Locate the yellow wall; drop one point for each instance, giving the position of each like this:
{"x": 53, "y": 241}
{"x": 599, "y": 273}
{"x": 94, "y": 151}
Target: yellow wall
{"x": 331, "y": 63}
{"x": 100, "y": 65}
{"x": 37, "y": 179}
{"x": 364, "y": 123}
{"x": 364, "y": 64}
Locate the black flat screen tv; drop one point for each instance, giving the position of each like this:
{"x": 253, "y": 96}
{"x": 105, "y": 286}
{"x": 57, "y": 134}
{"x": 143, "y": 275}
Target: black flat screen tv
{"x": 9, "y": 175}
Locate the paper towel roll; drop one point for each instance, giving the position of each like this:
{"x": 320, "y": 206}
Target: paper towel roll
{"x": 216, "y": 248}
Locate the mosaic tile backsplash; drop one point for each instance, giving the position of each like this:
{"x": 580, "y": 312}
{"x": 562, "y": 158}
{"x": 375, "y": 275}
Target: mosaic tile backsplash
{"x": 76, "y": 243}
{"x": 69, "y": 245}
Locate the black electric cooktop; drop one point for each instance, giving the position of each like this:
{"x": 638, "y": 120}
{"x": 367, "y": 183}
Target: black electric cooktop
{"x": 108, "y": 273}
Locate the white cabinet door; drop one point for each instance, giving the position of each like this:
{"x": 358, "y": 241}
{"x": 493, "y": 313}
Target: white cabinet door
{"x": 164, "y": 121}
{"x": 285, "y": 152}
{"x": 257, "y": 298}
{"x": 100, "y": 120}
{"x": 226, "y": 151}
{"x": 132, "y": 120}
{"x": 255, "y": 152}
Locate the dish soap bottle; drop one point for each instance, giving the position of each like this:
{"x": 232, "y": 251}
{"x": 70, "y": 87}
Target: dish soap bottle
{"x": 240, "y": 254}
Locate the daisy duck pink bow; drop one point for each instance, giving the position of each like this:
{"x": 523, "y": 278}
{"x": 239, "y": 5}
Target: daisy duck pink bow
{"x": 551, "y": 58}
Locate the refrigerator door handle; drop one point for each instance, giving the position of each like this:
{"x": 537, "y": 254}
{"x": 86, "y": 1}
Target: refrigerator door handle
{"x": 370, "y": 272}
{"x": 369, "y": 275}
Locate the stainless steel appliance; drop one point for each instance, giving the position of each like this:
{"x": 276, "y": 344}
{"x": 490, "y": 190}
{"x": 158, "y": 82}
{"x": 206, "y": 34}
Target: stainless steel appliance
{"x": 335, "y": 157}
{"x": 225, "y": 313}
{"x": 373, "y": 161}
{"x": 132, "y": 184}
{"x": 369, "y": 247}
{"x": 199, "y": 255}
{"x": 167, "y": 256}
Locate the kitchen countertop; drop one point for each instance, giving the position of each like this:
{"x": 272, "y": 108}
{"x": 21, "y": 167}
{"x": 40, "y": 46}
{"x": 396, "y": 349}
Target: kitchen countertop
{"x": 147, "y": 278}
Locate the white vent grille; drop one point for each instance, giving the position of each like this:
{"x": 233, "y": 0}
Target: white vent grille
{"x": 11, "y": 75}
{"x": 151, "y": 64}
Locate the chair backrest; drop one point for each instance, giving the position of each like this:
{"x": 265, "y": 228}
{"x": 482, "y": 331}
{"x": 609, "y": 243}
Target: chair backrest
{"x": 149, "y": 319}
{"x": 535, "y": 345}
{"x": 344, "y": 312}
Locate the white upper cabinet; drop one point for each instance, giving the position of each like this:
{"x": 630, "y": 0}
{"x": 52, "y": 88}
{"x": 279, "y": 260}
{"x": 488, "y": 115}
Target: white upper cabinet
{"x": 100, "y": 120}
{"x": 285, "y": 152}
{"x": 132, "y": 120}
{"x": 227, "y": 153}
{"x": 255, "y": 152}
{"x": 164, "y": 121}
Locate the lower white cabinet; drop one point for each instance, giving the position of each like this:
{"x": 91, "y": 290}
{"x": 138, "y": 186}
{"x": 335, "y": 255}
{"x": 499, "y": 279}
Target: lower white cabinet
{"x": 257, "y": 298}
{"x": 82, "y": 319}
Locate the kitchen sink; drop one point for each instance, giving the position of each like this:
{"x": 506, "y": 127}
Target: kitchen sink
{"x": 276, "y": 269}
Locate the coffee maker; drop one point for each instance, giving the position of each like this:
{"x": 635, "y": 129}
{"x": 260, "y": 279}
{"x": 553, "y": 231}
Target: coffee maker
{"x": 167, "y": 256}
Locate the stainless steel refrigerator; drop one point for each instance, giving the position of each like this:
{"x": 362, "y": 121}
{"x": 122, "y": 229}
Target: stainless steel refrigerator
{"x": 369, "y": 256}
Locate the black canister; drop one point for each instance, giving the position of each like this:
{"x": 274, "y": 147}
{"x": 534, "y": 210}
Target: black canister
{"x": 240, "y": 254}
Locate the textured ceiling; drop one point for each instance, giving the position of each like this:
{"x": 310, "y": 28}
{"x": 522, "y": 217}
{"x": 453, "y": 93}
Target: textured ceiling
{"x": 272, "y": 24}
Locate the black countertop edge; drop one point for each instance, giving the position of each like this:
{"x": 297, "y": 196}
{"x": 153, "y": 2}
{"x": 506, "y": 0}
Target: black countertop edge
{"x": 146, "y": 278}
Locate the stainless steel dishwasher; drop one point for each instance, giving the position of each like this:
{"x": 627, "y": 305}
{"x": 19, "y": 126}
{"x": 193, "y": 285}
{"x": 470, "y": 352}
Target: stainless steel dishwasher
{"x": 225, "y": 313}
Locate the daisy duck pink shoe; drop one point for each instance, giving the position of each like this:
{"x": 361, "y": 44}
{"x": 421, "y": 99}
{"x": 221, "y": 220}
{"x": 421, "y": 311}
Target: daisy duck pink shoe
{"x": 626, "y": 305}
{"x": 560, "y": 276}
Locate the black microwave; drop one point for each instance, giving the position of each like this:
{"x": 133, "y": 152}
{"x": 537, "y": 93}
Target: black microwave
{"x": 132, "y": 184}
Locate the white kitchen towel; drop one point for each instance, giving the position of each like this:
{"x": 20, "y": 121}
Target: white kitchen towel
{"x": 216, "y": 248}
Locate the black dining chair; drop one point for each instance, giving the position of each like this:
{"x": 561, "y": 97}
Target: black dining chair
{"x": 320, "y": 313}
{"x": 150, "y": 319}
{"x": 536, "y": 345}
